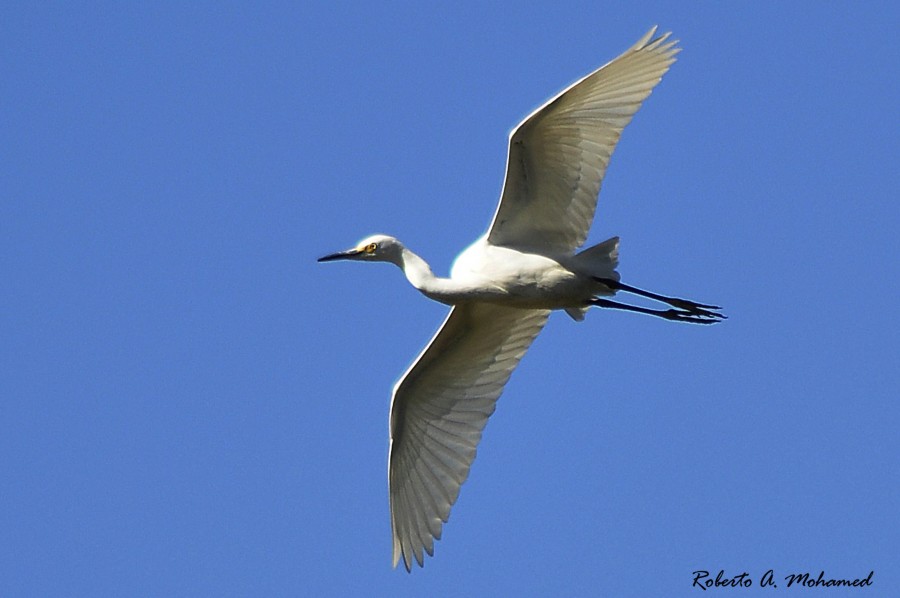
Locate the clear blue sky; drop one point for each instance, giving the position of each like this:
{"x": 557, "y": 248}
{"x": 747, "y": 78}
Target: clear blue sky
{"x": 191, "y": 405}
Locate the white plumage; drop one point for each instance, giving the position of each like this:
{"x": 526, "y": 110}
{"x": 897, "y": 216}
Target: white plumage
{"x": 503, "y": 287}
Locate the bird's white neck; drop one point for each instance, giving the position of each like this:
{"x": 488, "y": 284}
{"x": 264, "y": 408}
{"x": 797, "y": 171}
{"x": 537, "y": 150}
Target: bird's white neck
{"x": 419, "y": 274}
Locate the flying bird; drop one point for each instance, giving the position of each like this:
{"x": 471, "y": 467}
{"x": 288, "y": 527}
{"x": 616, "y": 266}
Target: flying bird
{"x": 503, "y": 287}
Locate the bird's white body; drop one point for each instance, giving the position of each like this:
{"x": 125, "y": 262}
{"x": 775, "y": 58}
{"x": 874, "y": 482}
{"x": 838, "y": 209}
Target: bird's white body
{"x": 503, "y": 287}
{"x": 526, "y": 280}
{"x": 489, "y": 273}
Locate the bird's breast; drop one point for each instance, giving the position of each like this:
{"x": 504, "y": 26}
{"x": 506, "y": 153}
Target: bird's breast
{"x": 516, "y": 278}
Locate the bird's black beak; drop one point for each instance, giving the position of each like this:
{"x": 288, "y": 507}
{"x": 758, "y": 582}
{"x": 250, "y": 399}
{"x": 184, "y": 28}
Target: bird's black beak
{"x": 340, "y": 255}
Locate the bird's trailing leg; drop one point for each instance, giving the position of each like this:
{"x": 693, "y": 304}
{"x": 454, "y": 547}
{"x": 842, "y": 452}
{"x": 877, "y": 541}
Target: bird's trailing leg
{"x": 685, "y": 310}
{"x": 676, "y": 315}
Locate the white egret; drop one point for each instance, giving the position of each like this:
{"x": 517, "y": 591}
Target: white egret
{"x": 504, "y": 286}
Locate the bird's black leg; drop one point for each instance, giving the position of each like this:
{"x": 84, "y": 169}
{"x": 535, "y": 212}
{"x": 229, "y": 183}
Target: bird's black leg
{"x": 676, "y": 315}
{"x": 691, "y": 307}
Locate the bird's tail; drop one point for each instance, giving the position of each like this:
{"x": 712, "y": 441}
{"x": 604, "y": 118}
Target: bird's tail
{"x": 600, "y": 260}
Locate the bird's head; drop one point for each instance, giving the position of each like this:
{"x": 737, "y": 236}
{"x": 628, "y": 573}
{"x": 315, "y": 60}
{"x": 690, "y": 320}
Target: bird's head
{"x": 377, "y": 248}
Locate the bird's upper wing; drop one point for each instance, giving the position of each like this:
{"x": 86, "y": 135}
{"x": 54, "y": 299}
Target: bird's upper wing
{"x": 439, "y": 410}
{"x": 559, "y": 153}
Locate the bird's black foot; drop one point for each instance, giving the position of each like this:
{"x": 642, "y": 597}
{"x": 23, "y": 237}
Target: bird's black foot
{"x": 702, "y": 317}
{"x": 697, "y": 309}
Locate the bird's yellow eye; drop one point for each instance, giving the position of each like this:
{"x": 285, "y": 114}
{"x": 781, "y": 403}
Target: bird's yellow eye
{"x": 370, "y": 248}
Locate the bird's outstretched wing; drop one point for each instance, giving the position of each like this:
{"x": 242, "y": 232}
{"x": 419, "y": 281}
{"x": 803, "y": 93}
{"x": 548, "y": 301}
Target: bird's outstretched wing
{"x": 439, "y": 410}
{"x": 559, "y": 153}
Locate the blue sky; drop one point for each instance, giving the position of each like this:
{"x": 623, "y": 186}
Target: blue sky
{"x": 191, "y": 405}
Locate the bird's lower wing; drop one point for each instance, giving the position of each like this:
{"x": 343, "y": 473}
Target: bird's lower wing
{"x": 439, "y": 410}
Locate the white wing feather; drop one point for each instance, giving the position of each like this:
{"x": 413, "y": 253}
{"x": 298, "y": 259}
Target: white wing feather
{"x": 559, "y": 153}
{"x": 439, "y": 410}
